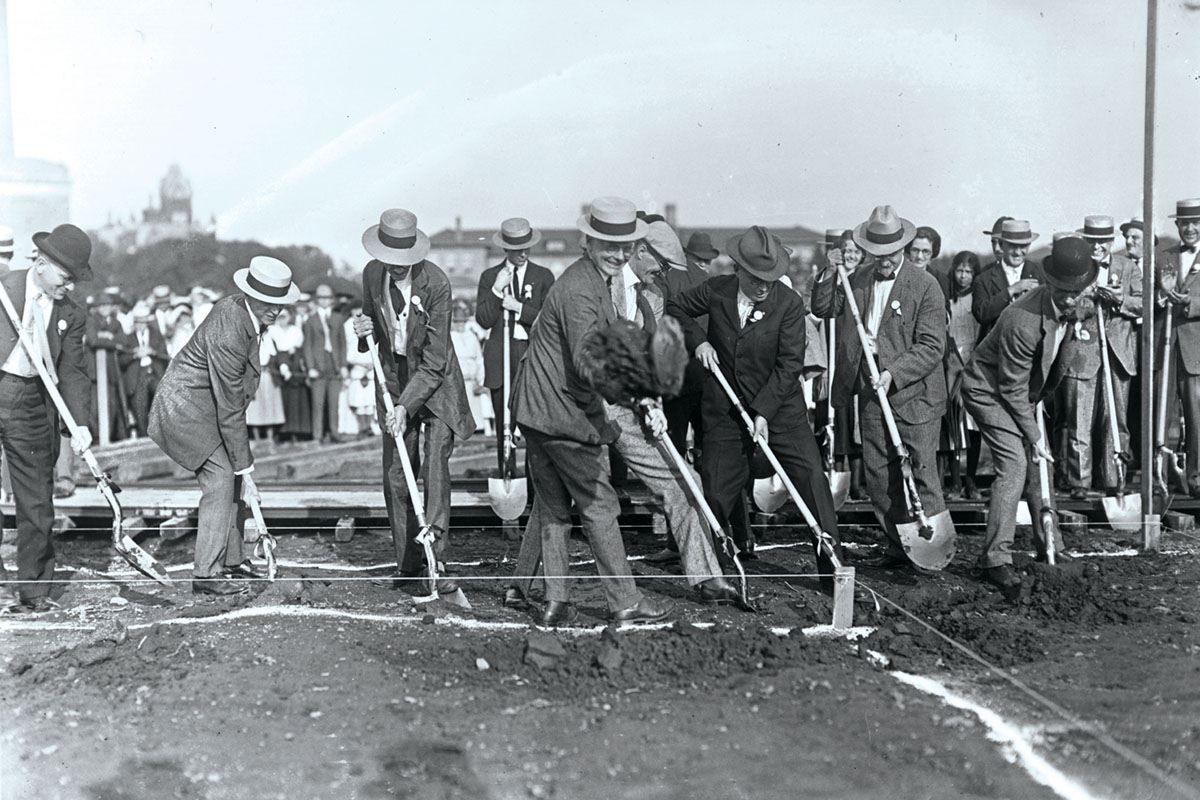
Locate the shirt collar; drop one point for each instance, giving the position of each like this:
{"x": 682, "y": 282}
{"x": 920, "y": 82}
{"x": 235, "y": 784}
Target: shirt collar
{"x": 629, "y": 276}
{"x": 257, "y": 322}
{"x": 31, "y": 287}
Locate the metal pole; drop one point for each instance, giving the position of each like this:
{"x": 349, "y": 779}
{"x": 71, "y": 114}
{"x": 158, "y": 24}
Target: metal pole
{"x": 102, "y": 411}
{"x": 1150, "y": 519}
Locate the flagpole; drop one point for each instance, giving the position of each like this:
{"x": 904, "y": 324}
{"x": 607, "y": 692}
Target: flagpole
{"x": 1151, "y": 529}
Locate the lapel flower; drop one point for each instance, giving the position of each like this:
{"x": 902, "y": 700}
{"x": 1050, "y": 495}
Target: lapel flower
{"x": 62, "y": 326}
{"x": 896, "y": 307}
{"x": 416, "y": 303}
{"x": 528, "y": 291}
{"x": 756, "y": 315}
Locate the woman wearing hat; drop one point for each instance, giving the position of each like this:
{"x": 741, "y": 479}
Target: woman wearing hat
{"x": 199, "y": 416}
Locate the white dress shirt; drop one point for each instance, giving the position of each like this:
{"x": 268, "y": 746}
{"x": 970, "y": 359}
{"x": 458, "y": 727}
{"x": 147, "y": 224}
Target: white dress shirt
{"x": 881, "y": 292}
{"x": 18, "y": 362}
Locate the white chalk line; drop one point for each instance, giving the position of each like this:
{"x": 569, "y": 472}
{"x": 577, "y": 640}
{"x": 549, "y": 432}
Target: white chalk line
{"x": 1017, "y": 746}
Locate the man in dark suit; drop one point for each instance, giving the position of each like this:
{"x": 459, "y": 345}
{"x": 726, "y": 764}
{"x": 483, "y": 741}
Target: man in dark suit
{"x": 1179, "y": 268}
{"x": 198, "y": 417}
{"x": 1007, "y": 279}
{"x": 325, "y": 355}
{"x": 406, "y": 307}
{"x": 515, "y": 287}
{"x": 143, "y": 364}
{"x": 904, "y": 311}
{"x": 755, "y": 336}
{"x": 1016, "y": 366}
{"x": 106, "y": 339}
{"x": 29, "y": 423}
{"x": 564, "y": 422}
{"x": 1083, "y": 410}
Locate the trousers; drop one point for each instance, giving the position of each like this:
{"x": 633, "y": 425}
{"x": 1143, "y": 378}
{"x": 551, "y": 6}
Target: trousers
{"x": 28, "y": 441}
{"x": 222, "y": 515}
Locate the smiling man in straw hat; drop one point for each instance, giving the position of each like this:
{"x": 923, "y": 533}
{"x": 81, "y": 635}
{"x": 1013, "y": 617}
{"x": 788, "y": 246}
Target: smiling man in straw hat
{"x": 198, "y": 417}
{"x": 1179, "y": 270}
{"x": 407, "y": 308}
{"x": 904, "y": 312}
{"x": 1007, "y": 279}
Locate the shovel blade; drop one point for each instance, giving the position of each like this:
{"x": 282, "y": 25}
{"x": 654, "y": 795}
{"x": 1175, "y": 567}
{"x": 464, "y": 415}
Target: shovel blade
{"x": 769, "y": 494}
{"x": 1124, "y": 512}
{"x": 1023, "y": 517}
{"x": 929, "y": 546}
{"x": 140, "y": 560}
{"x": 508, "y": 496}
{"x": 839, "y": 485}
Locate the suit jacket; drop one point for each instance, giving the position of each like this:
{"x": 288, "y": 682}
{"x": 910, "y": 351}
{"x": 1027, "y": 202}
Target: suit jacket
{"x": 534, "y": 287}
{"x": 435, "y": 381}
{"x": 1118, "y": 326}
{"x": 1186, "y": 320}
{"x": 989, "y": 296}
{"x": 201, "y": 401}
{"x": 65, "y": 330}
{"x": 328, "y": 364}
{"x": 1011, "y": 370}
{"x": 549, "y": 393}
{"x": 763, "y": 361}
{"x": 910, "y": 342}
{"x": 676, "y": 282}
{"x": 131, "y": 365}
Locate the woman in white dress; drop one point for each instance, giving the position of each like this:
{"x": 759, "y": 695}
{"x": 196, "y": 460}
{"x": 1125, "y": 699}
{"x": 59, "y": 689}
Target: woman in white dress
{"x": 265, "y": 415}
{"x": 360, "y": 390}
{"x": 470, "y": 361}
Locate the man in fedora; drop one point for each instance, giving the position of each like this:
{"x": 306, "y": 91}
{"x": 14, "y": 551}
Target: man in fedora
{"x": 564, "y": 421}
{"x": 198, "y": 417}
{"x": 1179, "y": 284}
{"x": 700, "y": 254}
{"x": 142, "y": 365}
{"x": 407, "y": 308}
{"x": 904, "y": 311}
{"x": 325, "y": 354}
{"x": 160, "y": 303}
{"x": 755, "y": 336}
{"x": 683, "y": 410}
{"x": 29, "y": 423}
{"x": 515, "y": 287}
{"x": 1083, "y": 410}
{"x": 1134, "y": 231}
{"x": 1007, "y": 279}
{"x": 1018, "y": 365}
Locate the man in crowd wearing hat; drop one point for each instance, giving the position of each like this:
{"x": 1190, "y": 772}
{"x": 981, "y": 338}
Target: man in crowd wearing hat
{"x": 904, "y": 312}
{"x": 325, "y": 354}
{"x": 1007, "y": 279}
{"x": 700, "y": 256}
{"x": 143, "y": 364}
{"x": 683, "y": 410}
{"x": 6, "y": 249}
{"x": 1083, "y": 410}
{"x": 106, "y": 339}
{"x": 755, "y": 336}
{"x": 160, "y": 304}
{"x": 1134, "y": 231}
{"x": 198, "y": 417}
{"x": 516, "y": 288}
{"x": 1179, "y": 283}
{"x": 564, "y": 422}
{"x": 29, "y": 422}
{"x": 407, "y": 308}
{"x": 1015, "y": 367}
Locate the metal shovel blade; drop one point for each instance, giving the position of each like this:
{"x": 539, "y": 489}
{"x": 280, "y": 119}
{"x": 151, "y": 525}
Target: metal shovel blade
{"x": 140, "y": 560}
{"x": 1124, "y": 512}
{"x": 839, "y": 485}
{"x": 1023, "y": 516}
{"x": 508, "y": 496}
{"x": 769, "y": 494}
{"x": 929, "y": 546}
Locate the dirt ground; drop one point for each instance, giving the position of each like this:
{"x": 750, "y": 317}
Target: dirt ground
{"x": 325, "y": 685}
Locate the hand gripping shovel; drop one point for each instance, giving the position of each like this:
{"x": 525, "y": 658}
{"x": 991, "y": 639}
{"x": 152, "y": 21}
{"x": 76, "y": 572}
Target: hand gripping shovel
{"x": 929, "y": 541}
{"x": 425, "y": 534}
{"x": 266, "y": 544}
{"x": 839, "y": 481}
{"x": 123, "y": 543}
{"x": 1048, "y": 516}
{"x": 1166, "y": 462}
{"x": 1124, "y": 511}
{"x": 843, "y": 576}
{"x": 508, "y": 494}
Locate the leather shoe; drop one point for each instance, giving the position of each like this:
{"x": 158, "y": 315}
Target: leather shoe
{"x": 244, "y": 570}
{"x": 664, "y": 556}
{"x": 215, "y": 586}
{"x": 717, "y": 591}
{"x": 1079, "y": 493}
{"x": 515, "y": 598}
{"x": 1003, "y": 576}
{"x": 559, "y": 612}
{"x": 646, "y": 610}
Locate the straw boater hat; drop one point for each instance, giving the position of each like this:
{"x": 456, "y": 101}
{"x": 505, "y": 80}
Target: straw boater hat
{"x": 612, "y": 219}
{"x": 68, "y": 247}
{"x": 1097, "y": 226}
{"x": 665, "y": 243}
{"x": 6, "y": 242}
{"x": 885, "y": 232}
{"x": 700, "y": 246}
{"x": 516, "y": 234}
{"x": 396, "y": 239}
{"x": 1016, "y": 231}
{"x": 1069, "y": 266}
{"x": 760, "y": 253}
{"x": 1187, "y": 209}
{"x": 1136, "y": 222}
{"x": 267, "y": 279}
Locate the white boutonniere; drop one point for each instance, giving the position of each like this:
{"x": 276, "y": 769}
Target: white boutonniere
{"x": 62, "y": 326}
{"x": 528, "y": 291}
{"x": 416, "y": 303}
{"x": 756, "y": 315}
{"x": 896, "y": 307}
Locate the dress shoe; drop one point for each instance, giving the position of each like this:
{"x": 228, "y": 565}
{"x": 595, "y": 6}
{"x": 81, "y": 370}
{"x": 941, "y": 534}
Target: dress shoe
{"x": 664, "y": 556}
{"x": 559, "y": 612}
{"x": 646, "y": 610}
{"x": 970, "y": 490}
{"x": 717, "y": 591}
{"x": 63, "y": 488}
{"x": 243, "y": 571}
{"x": 515, "y": 598}
{"x": 954, "y": 490}
{"x": 1079, "y": 493}
{"x": 1003, "y": 576}
{"x": 41, "y": 604}
{"x": 216, "y": 586}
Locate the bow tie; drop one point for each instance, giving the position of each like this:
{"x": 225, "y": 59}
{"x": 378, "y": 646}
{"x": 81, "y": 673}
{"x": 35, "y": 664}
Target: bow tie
{"x": 1186, "y": 249}
{"x": 880, "y": 277}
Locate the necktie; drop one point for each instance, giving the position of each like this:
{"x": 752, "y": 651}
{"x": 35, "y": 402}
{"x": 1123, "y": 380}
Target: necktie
{"x": 325, "y": 329}
{"x": 516, "y": 285}
{"x": 616, "y": 290}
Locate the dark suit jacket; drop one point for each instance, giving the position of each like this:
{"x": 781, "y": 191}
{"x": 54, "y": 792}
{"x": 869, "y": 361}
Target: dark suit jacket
{"x": 549, "y": 394}
{"x": 989, "y": 296}
{"x": 678, "y": 281}
{"x": 131, "y": 368}
{"x": 315, "y": 357}
{"x": 910, "y": 342}
{"x": 1118, "y": 327}
{"x": 762, "y": 361}
{"x": 65, "y": 330}
{"x": 435, "y": 381}
{"x": 201, "y": 401}
{"x": 534, "y": 287}
{"x": 1186, "y": 322}
{"x": 1011, "y": 370}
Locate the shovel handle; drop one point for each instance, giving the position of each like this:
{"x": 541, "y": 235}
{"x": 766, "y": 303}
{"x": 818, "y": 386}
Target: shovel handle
{"x": 1110, "y": 398}
{"x": 1048, "y": 515}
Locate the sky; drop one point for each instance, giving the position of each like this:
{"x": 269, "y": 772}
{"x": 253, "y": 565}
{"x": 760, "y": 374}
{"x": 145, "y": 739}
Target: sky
{"x": 299, "y": 122}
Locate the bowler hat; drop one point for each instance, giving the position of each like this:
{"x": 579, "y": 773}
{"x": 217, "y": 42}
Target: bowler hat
{"x": 995, "y": 231}
{"x": 68, "y": 247}
{"x": 396, "y": 240}
{"x": 885, "y": 232}
{"x": 700, "y": 246}
{"x": 1187, "y": 209}
{"x": 516, "y": 234}
{"x": 612, "y": 219}
{"x": 1016, "y": 231}
{"x": 1136, "y": 222}
{"x": 759, "y": 252}
{"x": 269, "y": 280}
{"x": 1069, "y": 266}
{"x": 1097, "y": 226}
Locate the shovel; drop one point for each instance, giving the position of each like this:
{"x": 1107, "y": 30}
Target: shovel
{"x": 266, "y": 544}
{"x": 1124, "y": 511}
{"x": 1048, "y": 516}
{"x": 424, "y": 534}
{"x": 122, "y": 542}
{"x": 769, "y": 494}
{"x": 508, "y": 494}
{"x": 839, "y": 481}
{"x": 1166, "y": 462}
{"x": 929, "y": 541}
